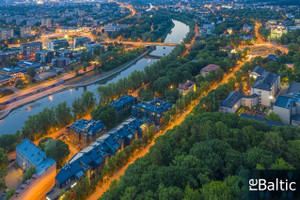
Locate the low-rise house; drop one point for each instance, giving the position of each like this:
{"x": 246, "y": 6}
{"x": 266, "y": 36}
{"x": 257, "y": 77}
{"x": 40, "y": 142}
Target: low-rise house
{"x": 272, "y": 57}
{"x": 84, "y": 132}
{"x": 184, "y": 88}
{"x": 152, "y": 111}
{"x": 256, "y": 72}
{"x": 247, "y": 28}
{"x": 124, "y": 104}
{"x": 209, "y": 68}
{"x": 266, "y": 87}
{"x": 234, "y": 100}
{"x": 29, "y": 155}
{"x": 91, "y": 159}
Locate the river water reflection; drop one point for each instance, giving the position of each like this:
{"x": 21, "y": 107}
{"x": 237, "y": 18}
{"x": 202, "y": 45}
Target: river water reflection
{"x": 15, "y": 120}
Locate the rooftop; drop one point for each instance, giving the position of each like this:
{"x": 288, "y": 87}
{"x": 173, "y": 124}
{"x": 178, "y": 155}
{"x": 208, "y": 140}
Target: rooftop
{"x": 265, "y": 81}
{"x": 91, "y": 127}
{"x": 156, "y": 105}
{"x": 186, "y": 85}
{"x": 294, "y": 88}
{"x": 258, "y": 70}
{"x": 211, "y": 67}
{"x": 4, "y": 77}
{"x": 36, "y": 156}
{"x": 287, "y": 101}
{"x": 231, "y": 99}
{"x": 123, "y": 100}
{"x": 94, "y": 154}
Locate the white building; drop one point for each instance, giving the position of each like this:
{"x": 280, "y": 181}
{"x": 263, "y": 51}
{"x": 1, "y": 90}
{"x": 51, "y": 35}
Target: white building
{"x": 288, "y": 109}
{"x": 266, "y": 87}
{"x": 234, "y": 100}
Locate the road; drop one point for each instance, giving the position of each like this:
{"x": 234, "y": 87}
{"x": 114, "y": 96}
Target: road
{"x": 103, "y": 187}
{"x": 261, "y": 47}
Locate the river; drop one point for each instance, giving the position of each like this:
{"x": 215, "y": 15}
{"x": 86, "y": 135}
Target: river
{"x": 15, "y": 120}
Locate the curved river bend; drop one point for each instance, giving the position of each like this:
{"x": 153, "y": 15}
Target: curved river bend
{"x": 15, "y": 120}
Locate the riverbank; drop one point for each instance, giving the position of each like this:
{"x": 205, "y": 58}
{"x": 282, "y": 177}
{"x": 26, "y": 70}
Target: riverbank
{"x": 64, "y": 86}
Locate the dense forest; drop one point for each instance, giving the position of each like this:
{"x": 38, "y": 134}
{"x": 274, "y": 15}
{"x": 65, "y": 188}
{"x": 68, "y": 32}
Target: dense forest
{"x": 208, "y": 157}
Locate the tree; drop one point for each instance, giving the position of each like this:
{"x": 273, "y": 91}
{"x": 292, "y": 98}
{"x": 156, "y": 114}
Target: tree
{"x": 43, "y": 141}
{"x": 190, "y": 194}
{"x": 146, "y": 95}
{"x": 3, "y": 166}
{"x": 171, "y": 95}
{"x": 57, "y": 150}
{"x": 107, "y": 114}
{"x": 274, "y": 117}
{"x": 63, "y": 114}
{"x": 293, "y": 47}
{"x": 216, "y": 190}
{"x": 88, "y": 101}
{"x": 28, "y": 174}
{"x": 77, "y": 108}
{"x": 161, "y": 84}
{"x": 31, "y": 72}
{"x": 12, "y": 61}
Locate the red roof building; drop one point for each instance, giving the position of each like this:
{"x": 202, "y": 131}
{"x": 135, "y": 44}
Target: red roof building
{"x": 209, "y": 68}
{"x": 184, "y": 88}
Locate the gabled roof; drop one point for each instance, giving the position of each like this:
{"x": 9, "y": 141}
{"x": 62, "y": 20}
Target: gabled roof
{"x": 35, "y": 155}
{"x": 95, "y": 153}
{"x": 186, "y": 86}
{"x": 294, "y": 88}
{"x": 231, "y": 99}
{"x": 258, "y": 70}
{"x": 123, "y": 100}
{"x": 87, "y": 127}
{"x": 210, "y": 67}
{"x": 156, "y": 105}
{"x": 265, "y": 81}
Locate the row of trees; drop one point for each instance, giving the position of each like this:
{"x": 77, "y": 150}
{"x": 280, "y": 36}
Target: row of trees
{"x": 208, "y": 157}
{"x": 137, "y": 78}
{"x": 116, "y": 57}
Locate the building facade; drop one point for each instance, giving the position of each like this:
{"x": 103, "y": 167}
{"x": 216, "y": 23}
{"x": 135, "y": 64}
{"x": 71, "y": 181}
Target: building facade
{"x": 124, "y": 104}
{"x": 152, "y": 111}
{"x": 29, "y": 49}
{"x": 84, "y": 132}
{"x": 29, "y": 155}
{"x": 266, "y": 86}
